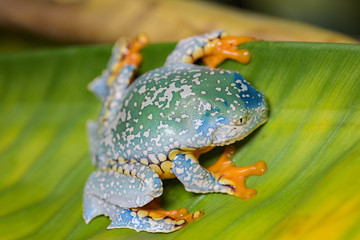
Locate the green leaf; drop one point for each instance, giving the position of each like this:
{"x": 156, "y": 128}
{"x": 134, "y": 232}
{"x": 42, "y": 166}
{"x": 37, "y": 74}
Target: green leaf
{"x": 311, "y": 144}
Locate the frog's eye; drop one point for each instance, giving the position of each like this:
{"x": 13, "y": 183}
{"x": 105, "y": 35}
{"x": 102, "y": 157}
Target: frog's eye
{"x": 241, "y": 121}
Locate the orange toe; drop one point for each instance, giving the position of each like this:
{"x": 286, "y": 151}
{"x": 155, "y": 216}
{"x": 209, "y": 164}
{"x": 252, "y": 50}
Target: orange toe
{"x": 224, "y": 48}
{"x": 133, "y": 57}
{"x": 153, "y": 210}
{"x": 229, "y": 174}
{"x": 194, "y": 216}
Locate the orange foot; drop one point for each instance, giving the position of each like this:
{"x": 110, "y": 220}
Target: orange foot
{"x": 227, "y": 173}
{"x": 132, "y": 55}
{"x": 179, "y": 216}
{"x": 226, "y": 47}
{"x": 128, "y": 54}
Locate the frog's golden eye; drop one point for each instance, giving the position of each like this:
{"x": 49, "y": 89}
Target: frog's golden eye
{"x": 241, "y": 121}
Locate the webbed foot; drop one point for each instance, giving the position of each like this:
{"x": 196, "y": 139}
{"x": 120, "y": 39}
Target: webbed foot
{"x": 216, "y": 51}
{"x": 229, "y": 174}
{"x": 124, "y": 61}
{"x": 178, "y": 217}
{"x": 128, "y": 54}
{"x": 139, "y": 219}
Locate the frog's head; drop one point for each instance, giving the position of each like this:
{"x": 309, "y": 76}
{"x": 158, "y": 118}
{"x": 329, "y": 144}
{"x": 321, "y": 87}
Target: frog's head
{"x": 240, "y": 110}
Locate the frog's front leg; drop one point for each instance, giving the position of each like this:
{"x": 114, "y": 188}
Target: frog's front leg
{"x": 213, "y": 48}
{"x": 222, "y": 177}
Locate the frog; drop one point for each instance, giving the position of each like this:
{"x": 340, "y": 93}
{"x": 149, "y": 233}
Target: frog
{"x": 155, "y": 127}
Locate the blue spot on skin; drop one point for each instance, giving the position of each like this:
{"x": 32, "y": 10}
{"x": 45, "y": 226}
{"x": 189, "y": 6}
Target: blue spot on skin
{"x": 204, "y": 126}
{"x": 127, "y": 216}
{"x": 210, "y": 122}
{"x": 213, "y": 110}
{"x": 253, "y": 97}
{"x": 238, "y": 76}
{"x": 222, "y": 120}
{"x": 226, "y": 103}
{"x": 157, "y": 183}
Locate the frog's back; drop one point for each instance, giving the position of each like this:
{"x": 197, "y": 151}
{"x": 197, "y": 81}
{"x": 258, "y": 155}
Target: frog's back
{"x": 169, "y": 108}
{"x": 157, "y": 113}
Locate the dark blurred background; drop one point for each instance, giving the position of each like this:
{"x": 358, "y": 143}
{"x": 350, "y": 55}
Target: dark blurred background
{"x": 338, "y": 15}
{"x": 32, "y": 24}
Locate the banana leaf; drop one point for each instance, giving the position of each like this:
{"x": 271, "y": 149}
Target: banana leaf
{"x": 311, "y": 144}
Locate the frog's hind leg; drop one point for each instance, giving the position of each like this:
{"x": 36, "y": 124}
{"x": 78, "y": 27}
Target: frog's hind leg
{"x": 101, "y": 85}
{"x": 123, "y": 62}
{"x": 111, "y": 88}
{"x": 139, "y": 219}
{"x": 125, "y": 184}
{"x": 213, "y": 48}
{"x": 122, "y": 192}
{"x": 95, "y": 151}
{"x": 112, "y": 85}
{"x": 119, "y": 185}
{"x": 116, "y": 79}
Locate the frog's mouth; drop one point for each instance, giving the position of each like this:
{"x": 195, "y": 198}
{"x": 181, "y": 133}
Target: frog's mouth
{"x": 228, "y": 134}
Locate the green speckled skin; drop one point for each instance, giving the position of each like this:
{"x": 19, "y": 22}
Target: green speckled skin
{"x": 149, "y": 131}
{"x": 183, "y": 107}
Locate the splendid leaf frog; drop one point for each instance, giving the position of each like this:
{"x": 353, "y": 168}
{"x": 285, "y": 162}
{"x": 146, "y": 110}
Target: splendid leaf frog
{"x": 156, "y": 126}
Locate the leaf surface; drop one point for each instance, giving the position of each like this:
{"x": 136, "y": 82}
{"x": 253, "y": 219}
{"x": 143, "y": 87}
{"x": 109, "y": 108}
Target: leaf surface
{"x": 311, "y": 144}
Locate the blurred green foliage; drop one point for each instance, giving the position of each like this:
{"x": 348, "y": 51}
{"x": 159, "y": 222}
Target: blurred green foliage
{"x": 15, "y": 40}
